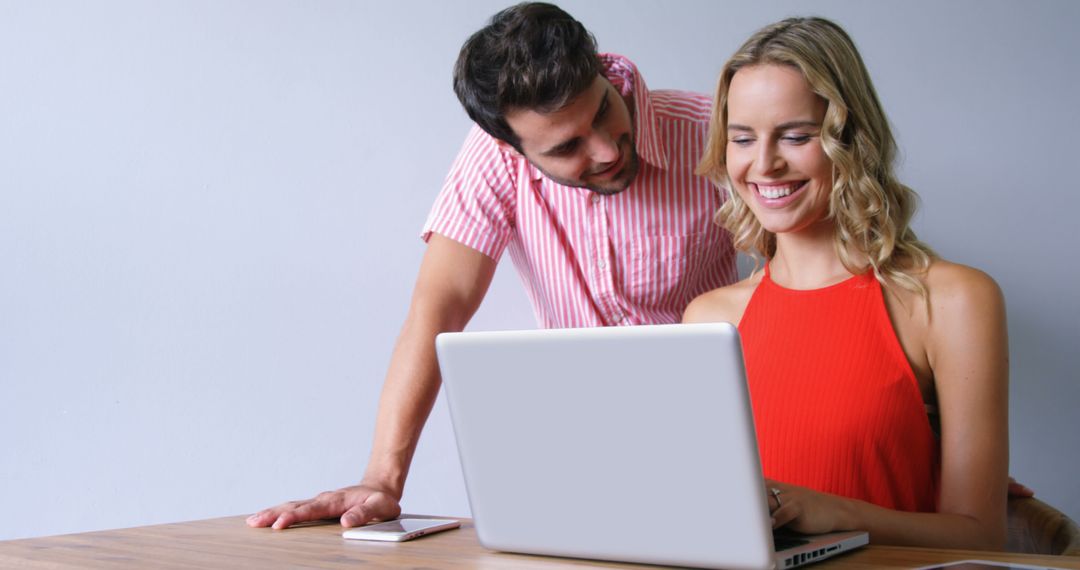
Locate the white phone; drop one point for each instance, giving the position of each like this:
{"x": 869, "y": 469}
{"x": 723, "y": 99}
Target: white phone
{"x": 401, "y": 529}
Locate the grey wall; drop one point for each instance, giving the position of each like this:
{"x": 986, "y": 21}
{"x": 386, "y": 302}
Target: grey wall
{"x": 209, "y": 216}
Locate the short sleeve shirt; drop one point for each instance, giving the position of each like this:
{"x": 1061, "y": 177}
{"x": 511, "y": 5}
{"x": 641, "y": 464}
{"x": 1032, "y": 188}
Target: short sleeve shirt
{"x": 633, "y": 258}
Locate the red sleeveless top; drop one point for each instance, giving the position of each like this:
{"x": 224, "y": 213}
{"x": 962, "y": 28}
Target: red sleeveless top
{"x": 836, "y": 404}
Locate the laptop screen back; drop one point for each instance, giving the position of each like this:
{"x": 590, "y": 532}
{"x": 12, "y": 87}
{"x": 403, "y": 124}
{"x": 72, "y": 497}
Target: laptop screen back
{"x": 633, "y": 444}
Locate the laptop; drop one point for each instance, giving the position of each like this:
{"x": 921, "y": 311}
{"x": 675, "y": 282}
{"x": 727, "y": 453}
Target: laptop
{"x": 629, "y": 444}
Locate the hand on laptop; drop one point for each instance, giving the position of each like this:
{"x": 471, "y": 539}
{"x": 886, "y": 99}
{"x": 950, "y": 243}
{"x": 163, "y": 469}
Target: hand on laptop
{"x": 804, "y": 510}
{"x": 809, "y": 512}
{"x": 356, "y": 505}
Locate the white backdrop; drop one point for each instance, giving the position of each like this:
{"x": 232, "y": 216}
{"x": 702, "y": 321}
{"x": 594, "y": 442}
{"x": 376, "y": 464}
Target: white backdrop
{"x": 209, "y": 215}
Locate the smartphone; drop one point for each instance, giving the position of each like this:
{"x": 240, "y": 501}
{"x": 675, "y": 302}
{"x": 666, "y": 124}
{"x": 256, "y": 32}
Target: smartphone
{"x": 401, "y": 529}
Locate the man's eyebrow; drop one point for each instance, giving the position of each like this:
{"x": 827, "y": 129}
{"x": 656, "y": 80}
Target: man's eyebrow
{"x": 563, "y": 146}
{"x": 603, "y": 108}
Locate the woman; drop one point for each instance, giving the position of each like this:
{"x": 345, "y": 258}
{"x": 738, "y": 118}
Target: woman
{"x": 853, "y": 330}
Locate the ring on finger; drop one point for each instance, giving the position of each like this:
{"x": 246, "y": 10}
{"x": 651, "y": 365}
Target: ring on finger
{"x": 776, "y": 495}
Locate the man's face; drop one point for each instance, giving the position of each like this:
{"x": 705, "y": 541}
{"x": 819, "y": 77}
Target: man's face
{"x": 589, "y": 143}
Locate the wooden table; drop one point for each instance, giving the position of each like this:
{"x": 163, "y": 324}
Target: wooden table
{"x": 229, "y": 543}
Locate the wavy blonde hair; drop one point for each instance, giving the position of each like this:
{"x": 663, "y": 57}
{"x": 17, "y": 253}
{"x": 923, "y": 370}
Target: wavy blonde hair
{"x": 870, "y": 207}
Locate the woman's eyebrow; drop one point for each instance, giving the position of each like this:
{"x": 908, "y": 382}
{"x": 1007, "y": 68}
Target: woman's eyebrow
{"x": 780, "y": 127}
{"x": 797, "y": 125}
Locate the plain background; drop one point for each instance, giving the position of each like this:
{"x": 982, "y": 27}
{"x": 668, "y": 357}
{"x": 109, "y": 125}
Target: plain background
{"x": 209, "y": 218}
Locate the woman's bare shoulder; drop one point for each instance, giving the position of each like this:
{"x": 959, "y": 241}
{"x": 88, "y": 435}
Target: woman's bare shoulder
{"x": 953, "y": 286}
{"x": 967, "y": 311}
{"x": 725, "y": 304}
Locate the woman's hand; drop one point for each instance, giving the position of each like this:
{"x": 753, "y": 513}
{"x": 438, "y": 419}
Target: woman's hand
{"x": 806, "y": 511}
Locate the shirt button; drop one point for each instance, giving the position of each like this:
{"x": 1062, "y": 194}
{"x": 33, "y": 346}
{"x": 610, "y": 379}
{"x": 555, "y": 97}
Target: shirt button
{"x": 602, "y": 264}
{"x": 595, "y": 198}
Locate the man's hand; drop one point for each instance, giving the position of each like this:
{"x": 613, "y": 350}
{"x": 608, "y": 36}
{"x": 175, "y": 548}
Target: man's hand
{"x": 356, "y": 505}
{"x": 1018, "y": 489}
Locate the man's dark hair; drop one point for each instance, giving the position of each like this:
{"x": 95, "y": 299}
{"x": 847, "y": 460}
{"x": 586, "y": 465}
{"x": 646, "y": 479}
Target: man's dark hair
{"x": 530, "y": 56}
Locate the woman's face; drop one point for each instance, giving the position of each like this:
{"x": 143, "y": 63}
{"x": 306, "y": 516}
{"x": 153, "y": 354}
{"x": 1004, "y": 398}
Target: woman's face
{"x": 774, "y": 154}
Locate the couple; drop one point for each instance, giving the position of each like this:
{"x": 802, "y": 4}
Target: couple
{"x": 605, "y": 194}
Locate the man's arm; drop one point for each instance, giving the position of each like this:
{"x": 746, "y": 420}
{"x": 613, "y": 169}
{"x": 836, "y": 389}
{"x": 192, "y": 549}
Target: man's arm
{"x": 453, "y": 281}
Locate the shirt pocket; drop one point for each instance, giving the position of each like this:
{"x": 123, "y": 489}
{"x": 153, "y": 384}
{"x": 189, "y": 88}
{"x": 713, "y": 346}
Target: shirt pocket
{"x": 666, "y": 272}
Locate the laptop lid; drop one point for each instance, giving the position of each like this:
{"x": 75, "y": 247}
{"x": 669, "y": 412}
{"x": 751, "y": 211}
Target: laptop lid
{"x": 633, "y": 444}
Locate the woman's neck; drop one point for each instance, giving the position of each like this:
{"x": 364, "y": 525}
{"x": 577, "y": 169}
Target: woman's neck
{"x": 807, "y": 259}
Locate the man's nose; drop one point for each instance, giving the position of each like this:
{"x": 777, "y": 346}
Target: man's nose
{"x": 603, "y": 147}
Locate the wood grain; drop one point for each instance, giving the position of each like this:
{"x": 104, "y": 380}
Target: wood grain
{"x": 229, "y": 543}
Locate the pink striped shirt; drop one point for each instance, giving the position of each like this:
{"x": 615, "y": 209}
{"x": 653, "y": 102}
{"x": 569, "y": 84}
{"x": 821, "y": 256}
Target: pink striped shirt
{"x": 586, "y": 259}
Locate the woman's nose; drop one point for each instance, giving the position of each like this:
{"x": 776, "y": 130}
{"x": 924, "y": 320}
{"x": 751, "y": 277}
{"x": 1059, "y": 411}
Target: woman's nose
{"x": 768, "y": 160}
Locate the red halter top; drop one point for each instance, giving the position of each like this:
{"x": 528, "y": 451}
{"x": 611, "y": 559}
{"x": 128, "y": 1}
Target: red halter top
{"x": 836, "y": 404}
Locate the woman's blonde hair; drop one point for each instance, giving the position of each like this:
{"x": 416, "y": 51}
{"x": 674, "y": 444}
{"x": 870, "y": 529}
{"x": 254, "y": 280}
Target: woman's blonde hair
{"x": 870, "y": 207}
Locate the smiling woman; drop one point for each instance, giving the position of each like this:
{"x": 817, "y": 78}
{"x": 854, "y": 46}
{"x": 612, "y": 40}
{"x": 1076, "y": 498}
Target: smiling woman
{"x": 774, "y": 149}
{"x": 857, "y": 337}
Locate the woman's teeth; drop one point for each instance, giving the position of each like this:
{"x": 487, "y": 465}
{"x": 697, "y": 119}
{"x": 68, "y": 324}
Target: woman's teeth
{"x": 774, "y": 192}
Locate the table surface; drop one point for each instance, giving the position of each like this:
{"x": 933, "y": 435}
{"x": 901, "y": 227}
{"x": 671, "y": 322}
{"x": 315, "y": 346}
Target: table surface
{"x": 229, "y": 543}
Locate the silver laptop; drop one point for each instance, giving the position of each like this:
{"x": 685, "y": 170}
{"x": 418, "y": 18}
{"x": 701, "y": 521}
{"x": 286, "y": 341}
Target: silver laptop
{"x": 631, "y": 444}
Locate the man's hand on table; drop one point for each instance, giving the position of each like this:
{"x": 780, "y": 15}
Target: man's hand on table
{"x": 356, "y": 505}
{"x": 1018, "y": 489}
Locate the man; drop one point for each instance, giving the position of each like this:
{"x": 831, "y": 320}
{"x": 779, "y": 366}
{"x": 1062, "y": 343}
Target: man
{"x": 587, "y": 177}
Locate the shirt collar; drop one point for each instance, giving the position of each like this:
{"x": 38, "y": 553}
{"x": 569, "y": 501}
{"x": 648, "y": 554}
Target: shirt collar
{"x": 623, "y": 74}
